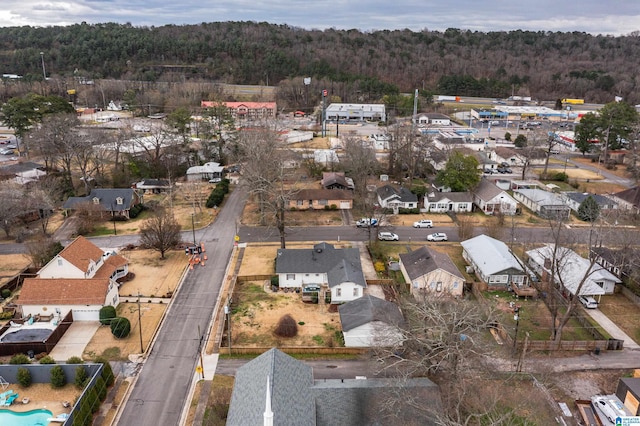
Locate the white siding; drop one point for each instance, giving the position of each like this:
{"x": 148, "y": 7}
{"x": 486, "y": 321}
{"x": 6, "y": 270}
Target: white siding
{"x": 344, "y": 292}
{"x": 59, "y": 267}
{"x": 371, "y": 334}
{"x": 296, "y": 280}
{"x": 437, "y": 281}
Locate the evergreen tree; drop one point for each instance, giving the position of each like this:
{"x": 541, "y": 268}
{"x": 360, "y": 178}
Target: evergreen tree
{"x": 589, "y": 209}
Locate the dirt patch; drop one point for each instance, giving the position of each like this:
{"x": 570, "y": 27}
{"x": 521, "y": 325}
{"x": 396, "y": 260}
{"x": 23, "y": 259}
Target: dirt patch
{"x": 256, "y": 313}
{"x": 43, "y": 395}
{"x": 105, "y": 344}
{"x": 154, "y": 277}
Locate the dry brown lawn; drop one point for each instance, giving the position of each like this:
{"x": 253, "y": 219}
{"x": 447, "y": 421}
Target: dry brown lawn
{"x": 315, "y": 143}
{"x": 11, "y": 264}
{"x": 256, "y": 313}
{"x": 251, "y": 217}
{"x": 154, "y": 277}
{"x": 623, "y": 312}
{"x": 43, "y": 395}
{"x": 106, "y": 345}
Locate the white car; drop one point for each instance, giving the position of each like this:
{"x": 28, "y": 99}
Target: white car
{"x": 215, "y": 180}
{"x": 588, "y": 302}
{"x": 367, "y": 222}
{"x": 388, "y": 236}
{"x": 424, "y": 223}
{"x": 7, "y": 151}
{"x": 438, "y": 236}
{"x": 608, "y": 407}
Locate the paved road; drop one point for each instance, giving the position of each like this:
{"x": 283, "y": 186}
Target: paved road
{"x": 163, "y": 384}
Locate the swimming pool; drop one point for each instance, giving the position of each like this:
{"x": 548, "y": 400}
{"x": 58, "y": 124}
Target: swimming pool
{"x": 27, "y": 418}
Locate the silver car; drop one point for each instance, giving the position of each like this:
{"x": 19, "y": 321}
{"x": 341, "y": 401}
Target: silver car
{"x": 388, "y": 236}
{"x": 438, "y": 236}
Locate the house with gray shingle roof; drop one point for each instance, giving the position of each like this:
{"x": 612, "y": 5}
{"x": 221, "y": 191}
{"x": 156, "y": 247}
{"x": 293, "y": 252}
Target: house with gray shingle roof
{"x": 574, "y": 199}
{"x": 392, "y": 198}
{"x": 629, "y": 198}
{"x": 431, "y": 271}
{"x": 443, "y": 202}
{"x": 276, "y": 389}
{"x": 114, "y": 201}
{"x": 325, "y": 267}
{"x": 370, "y": 321}
{"x": 491, "y": 199}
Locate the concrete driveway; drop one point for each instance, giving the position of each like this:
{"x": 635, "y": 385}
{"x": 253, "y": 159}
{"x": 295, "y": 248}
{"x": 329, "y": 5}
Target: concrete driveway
{"x": 75, "y": 340}
{"x": 612, "y": 329}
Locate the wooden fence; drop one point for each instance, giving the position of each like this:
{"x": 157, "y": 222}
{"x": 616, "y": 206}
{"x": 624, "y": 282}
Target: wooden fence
{"x": 319, "y": 350}
{"x": 247, "y": 278}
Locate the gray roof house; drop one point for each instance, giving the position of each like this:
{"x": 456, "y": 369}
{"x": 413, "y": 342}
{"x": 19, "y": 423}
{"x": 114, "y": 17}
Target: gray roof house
{"x": 370, "y": 321}
{"x": 115, "y": 201}
{"x": 392, "y": 198}
{"x": 548, "y": 205}
{"x": 322, "y": 266}
{"x": 491, "y": 199}
{"x": 432, "y": 271}
{"x": 207, "y": 171}
{"x": 443, "y": 202}
{"x": 574, "y": 199}
{"x": 154, "y": 186}
{"x": 276, "y": 389}
{"x": 493, "y": 262}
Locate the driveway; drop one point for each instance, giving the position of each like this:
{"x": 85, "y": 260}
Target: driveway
{"x": 612, "y": 329}
{"x": 75, "y": 340}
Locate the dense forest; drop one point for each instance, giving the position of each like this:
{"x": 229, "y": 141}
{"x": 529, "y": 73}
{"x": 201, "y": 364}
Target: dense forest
{"x": 362, "y": 66}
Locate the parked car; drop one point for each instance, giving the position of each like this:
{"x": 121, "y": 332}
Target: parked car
{"x": 423, "y": 223}
{"x": 504, "y": 170}
{"x": 588, "y": 302}
{"x": 489, "y": 171}
{"x": 12, "y": 146}
{"x": 495, "y": 123}
{"x": 438, "y": 236}
{"x": 388, "y": 236}
{"x": 366, "y": 222}
{"x": 6, "y": 151}
{"x": 215, "y": 180}
{"x": 609, "y": 408}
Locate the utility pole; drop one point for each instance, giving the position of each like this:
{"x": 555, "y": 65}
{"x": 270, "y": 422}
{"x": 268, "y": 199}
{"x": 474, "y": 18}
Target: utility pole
{"x": 324, "y": 113}
{"x": 200, "y": 351}
{"x": 227, "y": 311}
{"x": 193, "y": 229}
{"x": 140, "y": 323}
{"x": 44, "y": 71}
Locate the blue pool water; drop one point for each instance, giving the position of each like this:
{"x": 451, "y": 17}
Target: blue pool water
{"x": 28, "y": 418}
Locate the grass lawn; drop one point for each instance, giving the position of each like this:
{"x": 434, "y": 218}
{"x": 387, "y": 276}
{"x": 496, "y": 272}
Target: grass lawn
{"x": 624, "y": 313}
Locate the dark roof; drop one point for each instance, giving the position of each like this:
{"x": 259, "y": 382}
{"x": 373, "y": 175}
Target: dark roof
{"x": 361, "y": 402}
{"x": 323, "y": 194}
{"x": 367, "y": 309}
{"x": 579, "y": 197}
{"x": 334, "y": 178}
{"x": 20, "y": 167}
{"x": 154, "y": 183}
{"x": 631, "y": 195}
{"x": 340, "y": 265}
{"x": 289, "y": 380}
{"x": 422, "y": 261}
{"x": 107, "y": 198}
{"x": 403, "y": 194}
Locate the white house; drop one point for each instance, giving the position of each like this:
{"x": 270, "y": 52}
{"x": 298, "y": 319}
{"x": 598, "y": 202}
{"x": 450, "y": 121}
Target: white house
{"x": 81, "y": 278}
{"x": 356, "y": 112}
{"x": 392, "y": 198}
{"x": 571, "y": 269}
{"x": 548, "y": 205}
{"x": 322, "y": 267}
{"x": 380, "y": 142}
{"x": 443, "y": 202}
{"x": 207, "y": 171}
{"x": 493, "y": 262}
{"x": 491, "y": 199}
{"x": 369, "y": 322}
{"x": 431, "y": 271}
{"x": 433, "y": 118}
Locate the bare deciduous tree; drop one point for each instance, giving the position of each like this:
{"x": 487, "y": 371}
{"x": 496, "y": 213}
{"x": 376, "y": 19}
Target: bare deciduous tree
{"x": 161, "y": 232}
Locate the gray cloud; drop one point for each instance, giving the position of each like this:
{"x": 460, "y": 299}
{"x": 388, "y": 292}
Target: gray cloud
{"x": 593, "y": 16}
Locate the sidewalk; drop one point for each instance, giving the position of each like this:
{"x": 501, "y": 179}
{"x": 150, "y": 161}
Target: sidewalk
{"x": 611, "y": 328}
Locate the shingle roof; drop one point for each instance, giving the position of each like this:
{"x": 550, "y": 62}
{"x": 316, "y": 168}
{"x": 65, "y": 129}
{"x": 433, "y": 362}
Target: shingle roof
{"x": 290, "y": 381}
{"x": 340, "y": 265}
{"x": 331, "y": 178}
{"x": 80, "y": 251}
{"x": 456, "y": 197}
{"x": 107, "y": 197}
{"x": 422, "y": 261}
{"x": 367, "y": 309}
{"x": 579, "y": 197}
{"x": 111, "y": 263}
{"x": 631, "y": 195}
{"x": 403, "y": 194}
{"x": 62, "y": 291}
{"x": 486, "y": 190}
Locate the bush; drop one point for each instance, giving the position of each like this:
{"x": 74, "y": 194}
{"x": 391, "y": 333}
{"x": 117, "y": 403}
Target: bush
{"x": 275, "y": 281}
{"x": 120, "y": 327}
{"x": 101, "y": 389}
{"x": 107, "y": 372}
{"x": 136, "y": 210}
{"x": 5, "y": 293}
{"x": 408, "y": 211}
{"x": 75, "y": 360}
{"x": 107, "y": 313}
{"x": 560, "y": 177}
{"x": 19, "y": 359}
{"x": 47, "y": 360}
{"x": 81, "y": 378}
{"x": 286, "y": 327}
{"x": 58, "y": 379}
{"x": 24, "y": 377}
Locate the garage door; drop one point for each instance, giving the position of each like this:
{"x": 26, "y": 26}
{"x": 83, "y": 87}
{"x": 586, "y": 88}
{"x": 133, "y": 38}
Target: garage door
{"x": 86, "y": 314}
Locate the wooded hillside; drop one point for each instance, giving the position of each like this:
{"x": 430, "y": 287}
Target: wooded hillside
{"x": 543, "y": 65}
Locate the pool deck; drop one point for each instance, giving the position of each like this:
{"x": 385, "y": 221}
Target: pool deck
{"x": 35, "y": 326}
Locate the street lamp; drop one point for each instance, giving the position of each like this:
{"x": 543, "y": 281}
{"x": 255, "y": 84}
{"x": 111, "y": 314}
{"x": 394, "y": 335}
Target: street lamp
{"x": 44, "y": 72}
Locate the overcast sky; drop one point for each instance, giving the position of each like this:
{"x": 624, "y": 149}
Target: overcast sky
{"x": 616, "y": 17}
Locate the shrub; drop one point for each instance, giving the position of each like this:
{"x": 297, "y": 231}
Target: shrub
{"x": 75, "y": 360}
{"x": 275, "y": 281}
{"x": 101, "y": 389}
{"x": 81, "y": 378}
{"x": 286, "y": 327}
{"x": 5, "y": 293}
{"x": 92, "y": 400}
{"x": 107, "y": 372}
{"x": 120, "y": 327}
{"x": 560, "y": 177}
{"x": 58, "y": 379}
{"x": 24, "y": 377}
{"x": 47, "y": 360}
{"x": 408, "y": 211}
{"x": 19, "y": 359}
{"x": 107, "y": 313}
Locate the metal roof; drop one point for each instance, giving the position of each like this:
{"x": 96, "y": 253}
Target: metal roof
{"x": 491, "y": 256}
